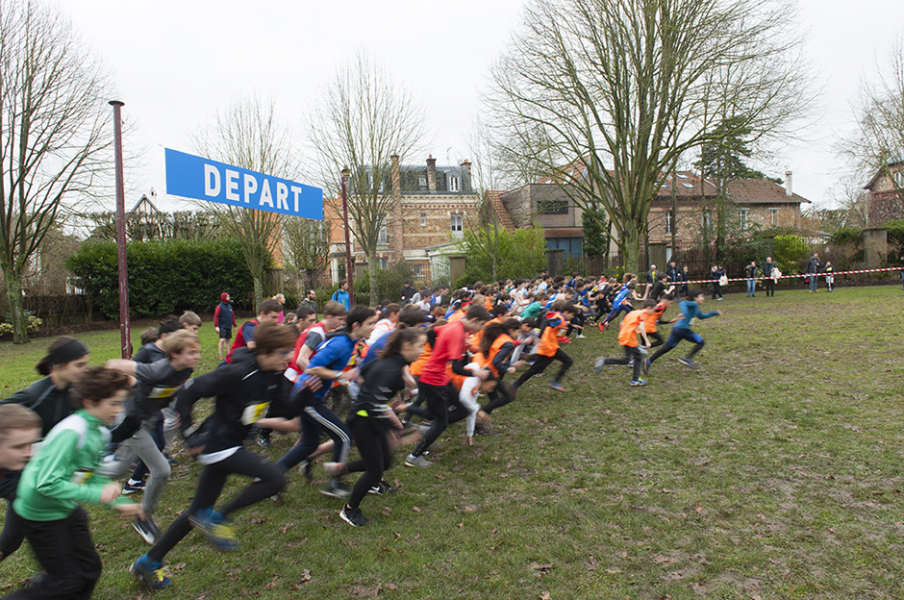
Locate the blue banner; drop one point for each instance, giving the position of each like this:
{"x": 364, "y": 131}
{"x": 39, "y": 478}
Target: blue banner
{"x": 203, "y": 179}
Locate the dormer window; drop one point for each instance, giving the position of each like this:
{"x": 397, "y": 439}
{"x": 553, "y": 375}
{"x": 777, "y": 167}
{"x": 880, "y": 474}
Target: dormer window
{"x": 453, "y": 183}
{"x": 899, "y": 178}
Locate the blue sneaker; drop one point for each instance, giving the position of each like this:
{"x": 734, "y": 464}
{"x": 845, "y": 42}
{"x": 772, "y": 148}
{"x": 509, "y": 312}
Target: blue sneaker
{"x": 557, "y": 386}
{"x": 638, "y": 382}
{"x": 600, "y": 363}
{"x": 215, "y": 528}
{"x": 149, "y": 573}
{"x": 688, "y": 363}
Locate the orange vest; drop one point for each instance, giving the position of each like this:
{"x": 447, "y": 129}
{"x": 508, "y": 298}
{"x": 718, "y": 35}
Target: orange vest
{"x": 486, "y": 362}
{"x": 416, "y": 366}
{"x": 549, "y": 341}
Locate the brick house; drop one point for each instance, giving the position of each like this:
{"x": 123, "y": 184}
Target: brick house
{"x": 886, "y": 195}
{"x": 435, "y": 205}
{"x": 753, "y": 201}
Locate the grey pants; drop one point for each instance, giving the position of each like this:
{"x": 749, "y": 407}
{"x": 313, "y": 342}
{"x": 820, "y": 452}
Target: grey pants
{"x": 141, "y": 445}
{"x": 813, "y": 279}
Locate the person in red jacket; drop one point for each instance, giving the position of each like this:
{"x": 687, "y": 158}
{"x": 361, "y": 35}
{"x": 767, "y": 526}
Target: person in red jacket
{"x": 435, "y": 382}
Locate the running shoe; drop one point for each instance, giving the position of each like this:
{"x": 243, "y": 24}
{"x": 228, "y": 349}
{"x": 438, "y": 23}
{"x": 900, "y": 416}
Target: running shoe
{"x": 336, "y": 489}
{"x": 645, "y": 366}
{"x": 513, "y": 391}
{"x": 556, "y": 386}
{"x": 306, "y": 469}
{"x": 215, "y": 528}
{"x": 382, "y": 489}
{"x": 263, "y": 440}
{"x": 688, "y": 363}
{"x": 417, "y": 461}
{"x": 638, "y": 382}
{"x": 332, "y": 469}
{"x": 147, "y": 529}
{"x": 600, "y": 363}
{"x": 149, "y": 573}
{"x": 132, "y": 487}
{"x": 643, "y": 350}
{"x": 581, "y": 336}
{"x": 353, "y": 516}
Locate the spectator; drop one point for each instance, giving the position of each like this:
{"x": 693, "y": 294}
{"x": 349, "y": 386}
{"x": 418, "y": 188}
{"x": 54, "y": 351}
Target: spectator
{"x": 769, "y": 282}
{"x": 310, "y": 300}
{"x": 813, "y": 266}
{"x": 341, "y": 295}
{"x": 408, "y": 293}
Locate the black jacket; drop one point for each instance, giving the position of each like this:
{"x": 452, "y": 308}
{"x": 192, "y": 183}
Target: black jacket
{"x": 244, "y": 393}
{"x": 51, "y": 404}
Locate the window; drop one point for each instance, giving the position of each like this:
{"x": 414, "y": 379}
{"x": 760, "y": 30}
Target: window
{"x": 423, "y": 219}
{"x": 417, "y": 270}
{"x": 707, "y": 226}
{"x": 899, "y": 178}
{"x": 668, "y": 224}
{"x": 422, "y": 182}
{"x": 553, "y": 207}
{"x": 773, "y": 217}
{"x": 742, "y": 218}
{"x": 383, "y": 262}
{"x": 453, "y": 183}
{"x": 383, "y": 236}
{"x": 457, "y": 227}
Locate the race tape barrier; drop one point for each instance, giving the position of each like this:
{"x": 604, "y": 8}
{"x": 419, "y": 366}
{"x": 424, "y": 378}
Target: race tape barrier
{"x": 823, "y": 274}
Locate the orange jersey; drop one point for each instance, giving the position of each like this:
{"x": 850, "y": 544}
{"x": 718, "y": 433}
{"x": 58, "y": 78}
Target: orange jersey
{"x": 416, "y": 367}
{"x": 627, "y": 335}
{"x": 649, "y": 324}
{"x": 458, "y": 315}
{"x": 549, "y": 341}
{"x": 457, "y": 380}
{"x": 486, "y": 362}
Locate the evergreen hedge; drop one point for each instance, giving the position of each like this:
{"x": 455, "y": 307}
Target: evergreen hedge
{"x": 167, "y": 276}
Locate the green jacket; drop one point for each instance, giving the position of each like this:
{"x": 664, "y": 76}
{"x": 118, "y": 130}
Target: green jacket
{"x": 532, "y": 310}
{"x": 62, "y": 475}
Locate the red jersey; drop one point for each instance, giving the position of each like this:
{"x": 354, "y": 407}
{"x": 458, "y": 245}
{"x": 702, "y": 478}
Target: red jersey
{"x": 450, "y": 345}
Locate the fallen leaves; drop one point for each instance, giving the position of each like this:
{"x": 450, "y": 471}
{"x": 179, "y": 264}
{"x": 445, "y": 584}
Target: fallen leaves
{"x": 305, "y": 577}
{"x": 541, "y": 569}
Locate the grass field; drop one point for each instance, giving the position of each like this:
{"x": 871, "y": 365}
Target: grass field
{"x": 773, "y": 471}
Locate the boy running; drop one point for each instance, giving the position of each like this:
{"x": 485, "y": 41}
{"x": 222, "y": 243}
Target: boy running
{"x": 631, "y": 326}
{"x": 62, "y": 476}
{"x": 690, "y": 310}
{"x": 548, "y": 349}
{"x": 20, "y": 429}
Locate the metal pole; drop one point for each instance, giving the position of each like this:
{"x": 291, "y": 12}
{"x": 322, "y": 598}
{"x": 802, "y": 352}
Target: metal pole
{"x": 349, "y": 265}
{"x": 124, "y": 333}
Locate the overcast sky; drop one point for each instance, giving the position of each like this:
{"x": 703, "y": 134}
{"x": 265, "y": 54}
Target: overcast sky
{"x": 175, "y": 64}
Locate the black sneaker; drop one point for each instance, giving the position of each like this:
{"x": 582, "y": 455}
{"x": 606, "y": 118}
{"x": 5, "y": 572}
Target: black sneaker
{"x": 353, "y": 516}
{"x": 382, "y": 489}
{"x": 263, "y": 440}
{"x": 336, "y": 489}
{"x": 133, "y": 486}
{"x": 147, "y": 529}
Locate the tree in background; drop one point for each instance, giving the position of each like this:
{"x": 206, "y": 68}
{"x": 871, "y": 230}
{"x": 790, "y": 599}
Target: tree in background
{"x": 878, "y": 143}
{"x": 603, "y": 96}
{"x": 519, "y": 253}
{"x": 596, "y": 232}
{"x": 249, "y": 135}
{"x": 140, "y": 227}
{"x": 54, "y": 135}
{"x": 306, "y": 248}
{"x": 364, "y": 120}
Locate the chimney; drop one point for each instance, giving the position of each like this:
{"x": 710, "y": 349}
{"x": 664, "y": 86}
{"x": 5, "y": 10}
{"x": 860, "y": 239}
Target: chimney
{"x": 395, "y": 174}
{"x": 467, "y": 165}
{"x": 431, "y": 173}
{"x": 788, "y": 190}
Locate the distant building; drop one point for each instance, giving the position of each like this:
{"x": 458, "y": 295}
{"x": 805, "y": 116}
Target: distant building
{"x": 886, "y": 195}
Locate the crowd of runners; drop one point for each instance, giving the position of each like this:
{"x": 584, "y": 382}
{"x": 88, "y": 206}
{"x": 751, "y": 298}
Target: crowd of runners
{"x": 418, "y": 365}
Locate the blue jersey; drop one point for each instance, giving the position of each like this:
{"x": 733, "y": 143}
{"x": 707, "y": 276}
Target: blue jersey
{"x": 690, "y": 310}
{"x": 620, "y": 297}
{"x": 334, "y": 353}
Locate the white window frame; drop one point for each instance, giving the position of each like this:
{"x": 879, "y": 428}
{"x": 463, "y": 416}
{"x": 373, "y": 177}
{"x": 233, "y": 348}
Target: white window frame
{"x": 899, "y": 178}
{"x": 668, "y": 223}
{"x": 773, "y": 217}
{"x": 383, "y": 236}
{"x": 454, "y": 183}
{"x": 743, "y": 218}
{"x": 457, "y": 226}
{"x": 423, "y": 219}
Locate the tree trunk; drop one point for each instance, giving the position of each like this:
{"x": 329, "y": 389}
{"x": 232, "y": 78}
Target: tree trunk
{"x": 16, "y": 309}
{"x": 258, "y": 289}
{"x": 373, "y": 271}
{"x": 631, "y": 247}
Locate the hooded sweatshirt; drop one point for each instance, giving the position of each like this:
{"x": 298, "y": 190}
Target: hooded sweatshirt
{"x": 223, "y": 315}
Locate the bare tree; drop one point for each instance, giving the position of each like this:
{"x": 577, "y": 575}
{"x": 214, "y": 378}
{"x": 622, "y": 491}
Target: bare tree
{"x": 249, "y": 135}
{"x": 364, "y": 120}
{"x": 603, "y": 96}
{"x": 878, "y": 143}
{"x": 306, "y": 247}
{"x": 54, "y": 131}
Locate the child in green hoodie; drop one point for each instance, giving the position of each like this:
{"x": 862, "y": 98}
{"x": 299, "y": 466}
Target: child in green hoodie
{"x": 61, "y": 477}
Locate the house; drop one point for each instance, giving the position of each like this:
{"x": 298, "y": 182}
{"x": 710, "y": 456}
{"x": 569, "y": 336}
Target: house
{"x": 886, "y": 194}
{"x": 752, "y": 201}
{"x": 435, "y": 205}
{"x": 145, "y": 205}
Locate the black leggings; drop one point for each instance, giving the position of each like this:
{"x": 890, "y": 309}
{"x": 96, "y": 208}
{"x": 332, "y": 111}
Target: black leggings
{"x": 656, "y": 339}
{"x": 210, "y": 486}
{"x": 542, "y": 362}
{"x": 376, "y": 458}
{"x": 631, "y": 353}
{"x": 498, "y": 397}
{"x": 438, "y": 400}
{"x": 13, "y": 535}
{"x": 65, "y": 551}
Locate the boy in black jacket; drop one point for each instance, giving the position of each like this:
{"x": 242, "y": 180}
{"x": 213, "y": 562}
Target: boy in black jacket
{"x": 244, "y": 391}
